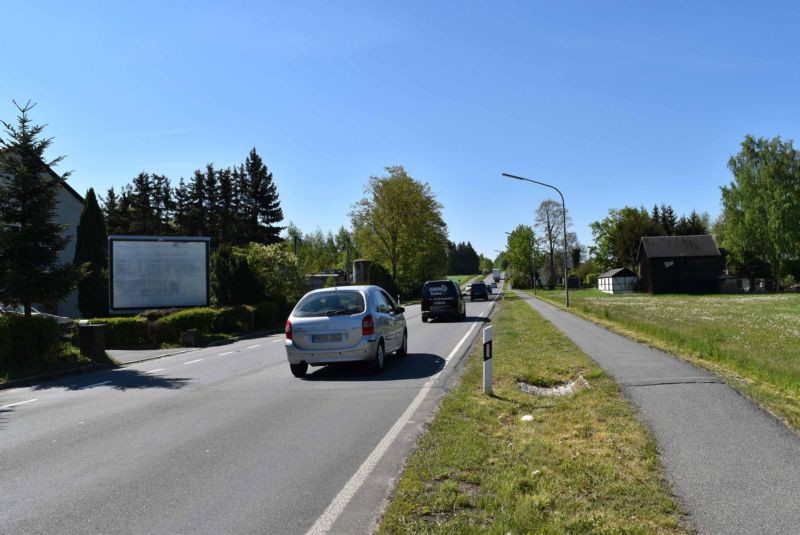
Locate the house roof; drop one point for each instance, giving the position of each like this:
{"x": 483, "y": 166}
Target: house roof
{"x": 67, "y": 187}
{"x": 701, "y": 245}
{"x": 618, "y": 272}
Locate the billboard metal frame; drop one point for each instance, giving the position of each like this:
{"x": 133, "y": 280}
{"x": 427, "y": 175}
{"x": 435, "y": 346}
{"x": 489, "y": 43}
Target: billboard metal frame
{"x": 121, "y": 237}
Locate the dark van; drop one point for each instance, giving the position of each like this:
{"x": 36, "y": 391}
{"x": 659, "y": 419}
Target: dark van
{"x": 442, "y": 299}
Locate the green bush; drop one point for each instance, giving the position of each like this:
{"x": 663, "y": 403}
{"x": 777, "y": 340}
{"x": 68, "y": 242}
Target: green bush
{"x": 127, "y": 333}
{"x": 170, "y": 327}
{"x": 590, "y": 280}
{"x": 266, "y": 314}
{"x": 234, "y": 319}
{"x": 27, "y": 343}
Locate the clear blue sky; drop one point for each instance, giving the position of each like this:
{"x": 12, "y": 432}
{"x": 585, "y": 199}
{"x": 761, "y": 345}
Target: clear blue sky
{"x": 616, "y": 103}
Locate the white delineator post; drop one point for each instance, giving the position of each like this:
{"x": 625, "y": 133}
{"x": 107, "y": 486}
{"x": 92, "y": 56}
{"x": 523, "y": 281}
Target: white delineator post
{"x": 487, "y": 361}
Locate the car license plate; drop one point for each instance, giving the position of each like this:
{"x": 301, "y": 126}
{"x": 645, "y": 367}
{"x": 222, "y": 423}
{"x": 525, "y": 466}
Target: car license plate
{"x": 333, "y": 337}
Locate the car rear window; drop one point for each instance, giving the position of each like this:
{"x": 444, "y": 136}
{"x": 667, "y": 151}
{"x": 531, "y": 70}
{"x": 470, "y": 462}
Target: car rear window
{"x": 439, "y": 289}
{"x": 478, "y": 285}
{"x": 336, "y": 303}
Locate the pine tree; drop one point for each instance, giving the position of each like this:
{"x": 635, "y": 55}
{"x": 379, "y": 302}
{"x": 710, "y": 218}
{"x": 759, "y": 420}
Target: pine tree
{"x": 143, "y": 219}
{"x": 111, "y": 210}
{"x": 668, "y": 220}
{"x": 196, "y": 223}
{"x": 226, "y": 206}
{"x": 91, "y": 247}
{"x": 264, "y": 210}
{"x": 30, "y": 242}
{"x": 182, "y": 208}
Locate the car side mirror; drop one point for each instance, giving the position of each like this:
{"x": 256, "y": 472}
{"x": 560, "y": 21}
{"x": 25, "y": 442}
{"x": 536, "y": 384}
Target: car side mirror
{"x": 399, "y": 310}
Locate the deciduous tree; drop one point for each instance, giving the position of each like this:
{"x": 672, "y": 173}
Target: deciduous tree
{"x": 399, "y": 223}
{"x": 761, "y": 206}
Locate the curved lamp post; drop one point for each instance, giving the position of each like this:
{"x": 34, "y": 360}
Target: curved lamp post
{"x": 564, "y": 218}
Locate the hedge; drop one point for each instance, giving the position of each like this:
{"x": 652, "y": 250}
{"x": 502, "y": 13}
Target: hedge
{"x": 139, "y": 332}
{"x": 127, "y": 333}
{"x": 27, "y": 342}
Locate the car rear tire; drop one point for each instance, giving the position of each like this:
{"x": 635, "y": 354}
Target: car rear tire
{"x": 424, "y": 319}
{"x": 403, "y": 351}
{"x": 299, "y": 370}
{"x": 377, "y": 362}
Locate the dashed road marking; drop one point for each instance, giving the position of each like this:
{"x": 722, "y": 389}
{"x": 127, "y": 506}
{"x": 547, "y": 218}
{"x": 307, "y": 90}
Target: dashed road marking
{"x": 96, "y": 384}
{"x": 253, "y": 347}
{"x": 193, "y": 361}
{"x": 19, "y": 403}
{"x": 227, "y": 353}
{"x": 156, "y": 370}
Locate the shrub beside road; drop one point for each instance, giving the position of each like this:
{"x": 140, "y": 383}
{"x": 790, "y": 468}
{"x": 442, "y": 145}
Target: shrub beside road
{"x": 751, "y": 341}
{"x": 583, "y": 463}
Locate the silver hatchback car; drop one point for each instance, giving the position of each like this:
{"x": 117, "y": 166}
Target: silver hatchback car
{"x": 345, "y": 324}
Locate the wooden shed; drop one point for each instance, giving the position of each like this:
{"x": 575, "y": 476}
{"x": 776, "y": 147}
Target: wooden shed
{"x": 679, "y": 264}
{"x": 617, "y": 281}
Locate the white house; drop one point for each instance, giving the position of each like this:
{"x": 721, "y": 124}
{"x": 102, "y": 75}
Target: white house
{"x": 617, "y": 281}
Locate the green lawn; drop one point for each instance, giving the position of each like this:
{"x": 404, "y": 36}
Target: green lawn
{"x": 752, "y": 341}
{"x": 584, "y": 464}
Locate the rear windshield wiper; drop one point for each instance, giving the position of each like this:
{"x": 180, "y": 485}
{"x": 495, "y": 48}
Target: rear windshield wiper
{"x": 341, "y": 312}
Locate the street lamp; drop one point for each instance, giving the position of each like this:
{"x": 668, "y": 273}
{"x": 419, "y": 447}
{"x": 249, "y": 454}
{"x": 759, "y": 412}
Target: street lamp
{"x": 564, "y": 217}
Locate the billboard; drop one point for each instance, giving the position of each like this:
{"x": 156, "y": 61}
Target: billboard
{"x": 157, "y": 272}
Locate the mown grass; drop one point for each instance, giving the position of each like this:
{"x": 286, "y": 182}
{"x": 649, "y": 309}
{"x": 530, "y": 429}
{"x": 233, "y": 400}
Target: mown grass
{"x": 584, "y": 464}
{"x": 752, "y": 341}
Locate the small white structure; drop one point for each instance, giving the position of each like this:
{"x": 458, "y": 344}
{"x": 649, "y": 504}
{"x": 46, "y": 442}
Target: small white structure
{"x": 617, "y": 281}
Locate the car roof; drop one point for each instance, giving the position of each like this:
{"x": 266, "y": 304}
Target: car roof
{"x": 343, "y": 288}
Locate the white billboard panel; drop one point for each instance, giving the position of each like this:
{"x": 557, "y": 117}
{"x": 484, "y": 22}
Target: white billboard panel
{"x": 157, "y": 272}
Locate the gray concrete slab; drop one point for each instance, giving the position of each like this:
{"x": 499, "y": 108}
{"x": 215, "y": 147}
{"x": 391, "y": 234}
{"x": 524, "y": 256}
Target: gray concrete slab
{"x": 734, "y": 466}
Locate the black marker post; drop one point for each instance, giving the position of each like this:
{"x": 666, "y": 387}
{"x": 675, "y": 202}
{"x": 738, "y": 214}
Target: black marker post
{"x": 487, "y": 360}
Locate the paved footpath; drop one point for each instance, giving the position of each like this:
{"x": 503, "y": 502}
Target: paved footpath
{"x": 735, "y": 468}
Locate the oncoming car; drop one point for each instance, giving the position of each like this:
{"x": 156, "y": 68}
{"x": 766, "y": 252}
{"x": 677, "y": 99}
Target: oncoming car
{"x": 345, "y": 324}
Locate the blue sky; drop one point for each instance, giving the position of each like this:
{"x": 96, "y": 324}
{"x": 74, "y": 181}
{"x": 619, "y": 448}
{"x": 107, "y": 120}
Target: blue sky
{"x": 615, "y": 103}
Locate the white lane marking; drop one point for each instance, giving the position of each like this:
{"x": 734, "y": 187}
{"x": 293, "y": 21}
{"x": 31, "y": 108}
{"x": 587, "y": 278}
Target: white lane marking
{"x": 227, "y": 353}
{"x": 278, "y": 340}
{"x": 253, "y": 347}
{"x": 18, "y": 403}
{"x": 156, "y": 370}
{"x": 193, "y": 361}
{"x": 326, "y": 520}
{"x": 96, "y": 384}
{"x": 329, "y": 516}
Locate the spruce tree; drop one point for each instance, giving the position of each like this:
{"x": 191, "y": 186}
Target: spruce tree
{"x": 30, "y": 242}
{"x": 264, "y": 206}
{"x": 91, "y": 247}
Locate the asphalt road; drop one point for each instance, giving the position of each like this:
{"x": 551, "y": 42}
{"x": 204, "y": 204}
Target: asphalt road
{"x": 222, "y": 440}
{"x": 734, "y": 467}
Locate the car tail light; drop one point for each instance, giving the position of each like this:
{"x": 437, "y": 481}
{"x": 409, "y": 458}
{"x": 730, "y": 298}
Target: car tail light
{"x": 367, "y": 326}
{"x": 288, "y": 330}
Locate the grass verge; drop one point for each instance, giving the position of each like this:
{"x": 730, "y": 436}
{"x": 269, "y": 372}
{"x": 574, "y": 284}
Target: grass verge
{"x": 751, "y": 341}
{"x": 583, "y": 464}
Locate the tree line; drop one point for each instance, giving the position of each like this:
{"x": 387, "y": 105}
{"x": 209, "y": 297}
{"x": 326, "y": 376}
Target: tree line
{"x": 235, "y": 205}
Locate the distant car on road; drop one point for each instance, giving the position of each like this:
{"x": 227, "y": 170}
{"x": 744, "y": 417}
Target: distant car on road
{"x": 478, "y": 291}
{"x": 442, "y": 299}
{"x": 345, "y": 324}
{"x": 466, "y": 289}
